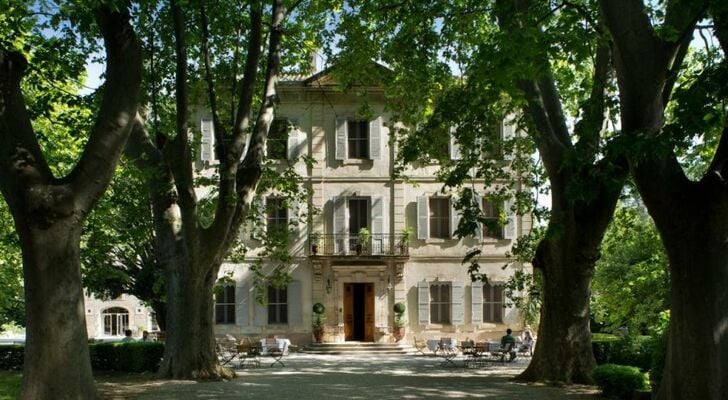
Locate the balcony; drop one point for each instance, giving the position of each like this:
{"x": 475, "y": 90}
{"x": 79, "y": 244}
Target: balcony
{"x": 354, "y": 245}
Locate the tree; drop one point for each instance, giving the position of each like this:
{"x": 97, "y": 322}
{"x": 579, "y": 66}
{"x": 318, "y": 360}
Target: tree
{"x": 631, "y": 283}
{"x": 12, "y": 305}
{"x": 650, "y": 45}
{"x": 49, "y": 211}
{"x": 542, "y": 67}
{"x": 192, "y": 239}
{"x": 118, "y": 254}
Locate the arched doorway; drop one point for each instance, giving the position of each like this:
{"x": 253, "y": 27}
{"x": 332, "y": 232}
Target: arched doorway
{"x": 116, "y": 321}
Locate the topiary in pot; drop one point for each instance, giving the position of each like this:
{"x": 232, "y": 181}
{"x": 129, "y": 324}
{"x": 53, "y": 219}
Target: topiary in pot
{"x": 318, "y": 322}
{"x": 399, "y": 322}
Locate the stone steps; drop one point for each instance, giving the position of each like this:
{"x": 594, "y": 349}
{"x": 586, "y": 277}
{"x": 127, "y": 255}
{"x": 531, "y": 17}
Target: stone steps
{"x": 356, "y": 348}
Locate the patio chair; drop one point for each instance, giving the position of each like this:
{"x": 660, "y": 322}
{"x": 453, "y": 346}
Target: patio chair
{"x": 249, "y": 351}
{"x": 468, "y": 349}
{"x": 226, "y": 350}
{"x": 420, "y": 345}
{"x": 273, "y": 350}
{"x": 446, "y": 351}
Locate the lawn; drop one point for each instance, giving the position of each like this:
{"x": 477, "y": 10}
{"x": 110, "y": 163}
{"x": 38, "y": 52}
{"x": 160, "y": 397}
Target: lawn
{"x": 9, "y": 385}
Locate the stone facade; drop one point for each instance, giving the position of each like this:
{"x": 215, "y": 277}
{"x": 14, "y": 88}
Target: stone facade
{"x": 426, "y": 274}
{"x": 107, "y": 319}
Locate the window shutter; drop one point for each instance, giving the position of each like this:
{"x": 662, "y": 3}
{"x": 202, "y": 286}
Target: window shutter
{"x": 476, "y": 302}
{"x": 454, "y": 217}
{"x": 458, "y": 298}
{"x": 295, "y": 314}
{"x": 375, "y": 138}
{"x": 454, "y": 146}
{"x": 261, "y": 311}
{"x": 242, "y": 300}
{"x": 478, "y": 229}
{"x": 341, "y": 127}
{"x": 508, "y": 135}
{"x": 339, "y": 223}
{"x": 423, "y": 218}
{"x": 377, "y": 213}
{"x": 294, "y": 139}
{"x": 207, "y": 142}
{"x": 423, "y": 302}
{"x": 509, "y": 230}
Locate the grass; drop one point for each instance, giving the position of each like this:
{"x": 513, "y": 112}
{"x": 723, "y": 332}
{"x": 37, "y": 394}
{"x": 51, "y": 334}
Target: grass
{"x": 9, "y": 385}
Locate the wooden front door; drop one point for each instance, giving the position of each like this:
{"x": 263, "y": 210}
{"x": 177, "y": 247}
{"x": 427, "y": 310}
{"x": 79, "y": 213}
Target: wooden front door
{"x": 359, "y": 312}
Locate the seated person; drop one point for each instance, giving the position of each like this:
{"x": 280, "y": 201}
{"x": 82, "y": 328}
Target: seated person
{"x": 508, "y": 338}
{"x": 127, "y": 336}
{"x": 526, "y": 342}
{"x": 145, "y": 337}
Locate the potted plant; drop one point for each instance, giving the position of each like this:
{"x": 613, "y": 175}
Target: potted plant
{"x": 399, "y": 321}
{"x": 363, "y": 240}
{"x": 405, "y": 237}
{"x": 315, "y": 240}
{"x": 319, "y": 319}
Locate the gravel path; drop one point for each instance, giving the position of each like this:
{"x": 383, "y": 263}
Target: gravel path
{"x": 350, "y": 377}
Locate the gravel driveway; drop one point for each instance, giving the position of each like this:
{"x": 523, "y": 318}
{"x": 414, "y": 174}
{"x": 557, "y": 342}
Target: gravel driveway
{"x": 351, "y": 377}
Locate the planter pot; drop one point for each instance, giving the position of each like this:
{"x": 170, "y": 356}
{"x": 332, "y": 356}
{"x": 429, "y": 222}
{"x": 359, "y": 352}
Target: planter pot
{"x": 398, "y": 333}
{"x": 358, "y": 249}
{"x": 318, "y": 333}
{"x": 314, "y": 249}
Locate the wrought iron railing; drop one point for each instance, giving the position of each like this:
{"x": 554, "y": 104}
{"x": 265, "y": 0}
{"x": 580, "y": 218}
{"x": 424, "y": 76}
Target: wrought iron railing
{"x": 377, "y": 244}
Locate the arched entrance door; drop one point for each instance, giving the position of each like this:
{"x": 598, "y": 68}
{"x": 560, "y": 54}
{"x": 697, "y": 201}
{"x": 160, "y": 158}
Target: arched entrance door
{"x": 116, "y": 321}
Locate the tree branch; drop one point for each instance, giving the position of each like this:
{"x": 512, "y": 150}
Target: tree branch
{"x": 247, "y": 86}
{"x": 220, "y": 136}
{"x": 178, "y": 153}
{"x": 250, "y": 170}
{"x": 589, "y": 128}
{"x": 119, "y": 105}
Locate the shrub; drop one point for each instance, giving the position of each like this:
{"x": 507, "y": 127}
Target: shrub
{"x": 11, "y": 357}
{"x": 619, "y": 381}
{"x": 319, "y": 308}
{"x": 658, "y": 347}
{"x": 399, "y": 308}
{"x": 119, "y": 356}
{"x": 630, "y": 350}
{"x": 127, "y": 356}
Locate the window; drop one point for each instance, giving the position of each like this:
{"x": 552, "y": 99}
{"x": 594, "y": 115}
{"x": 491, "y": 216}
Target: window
{"x": 277, "y": 306}
{"x": 358, "y": 214}
{"x": 440, "y": 303}
{"x": 492, "y": 303}
{"x": 439, "y": 217}
{"x": 276, "y": 214}
{"x": 358, "y": 139}
{"x": 225, "y": 305}
{"x": 277, "y": 144}
{"x": 116, "y": 321}
{"x": 491, "y": 214}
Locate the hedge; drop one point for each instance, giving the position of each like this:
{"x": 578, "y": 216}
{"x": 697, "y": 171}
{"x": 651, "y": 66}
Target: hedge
{"x": 118, "y": 356}
{"x": 630, "y": 350}
{"x": 619, "y": 381}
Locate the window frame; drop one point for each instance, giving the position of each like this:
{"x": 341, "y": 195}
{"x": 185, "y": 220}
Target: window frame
{"x": 438, "y": 306}
{"x": 227, "y": 316}
{"x": 438, "y": 231}
{"x": 491, "y": 307}
{"x": 496, "y": 207}
{"x": 361, "y": 148}
{"x": 277, "y": 310}
{"x": 277, "y": 221}
{"x": 277, "y": 141}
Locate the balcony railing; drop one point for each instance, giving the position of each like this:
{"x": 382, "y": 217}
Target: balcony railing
{"x": 353, "y": 245}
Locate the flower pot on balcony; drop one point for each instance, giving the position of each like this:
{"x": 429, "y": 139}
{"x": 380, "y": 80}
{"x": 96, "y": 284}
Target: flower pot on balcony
{"x": 314, "y": 249}
{"x": 358, "y": 249}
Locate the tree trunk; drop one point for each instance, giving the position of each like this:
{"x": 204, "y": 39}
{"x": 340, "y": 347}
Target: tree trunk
{"x": 56, "y": 325}
{"x": 190, "y": 346}
{"x": 564, "y": 351}
{"x": 697, "y": 357}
